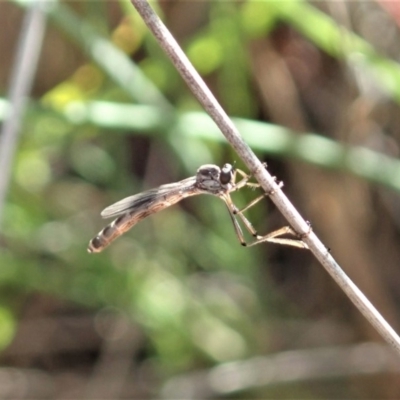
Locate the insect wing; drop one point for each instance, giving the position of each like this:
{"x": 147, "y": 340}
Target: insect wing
{"x": 128, "y": 204}
{"x": 146, "y": 199}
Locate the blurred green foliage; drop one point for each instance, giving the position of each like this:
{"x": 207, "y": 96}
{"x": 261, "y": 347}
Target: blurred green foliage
{"x": 114, "y": 127}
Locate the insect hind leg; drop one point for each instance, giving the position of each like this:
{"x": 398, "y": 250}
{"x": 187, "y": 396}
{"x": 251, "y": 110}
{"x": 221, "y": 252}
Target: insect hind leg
{"x": 273, "y": 237}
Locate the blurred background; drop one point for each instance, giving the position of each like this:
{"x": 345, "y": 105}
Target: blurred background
{"x": 176, "y": 308}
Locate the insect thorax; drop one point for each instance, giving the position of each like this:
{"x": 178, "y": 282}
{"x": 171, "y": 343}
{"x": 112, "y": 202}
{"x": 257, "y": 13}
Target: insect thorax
{"x": 208, "y": 178}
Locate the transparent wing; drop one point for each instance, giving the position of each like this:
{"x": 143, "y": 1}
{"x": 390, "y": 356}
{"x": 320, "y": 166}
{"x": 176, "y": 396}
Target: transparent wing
{"x": 150, "y": 197}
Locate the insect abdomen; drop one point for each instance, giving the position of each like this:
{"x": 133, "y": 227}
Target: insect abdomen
{"x": 111, "y": 232}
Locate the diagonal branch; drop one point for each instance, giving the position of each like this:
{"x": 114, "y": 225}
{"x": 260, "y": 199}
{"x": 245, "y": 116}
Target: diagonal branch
{"x": 208, "y": 101}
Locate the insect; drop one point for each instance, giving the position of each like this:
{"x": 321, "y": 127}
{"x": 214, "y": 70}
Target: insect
{"x": 209, "y": 179}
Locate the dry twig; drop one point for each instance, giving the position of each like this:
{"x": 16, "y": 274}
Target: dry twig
{"x": 208, "y": 101}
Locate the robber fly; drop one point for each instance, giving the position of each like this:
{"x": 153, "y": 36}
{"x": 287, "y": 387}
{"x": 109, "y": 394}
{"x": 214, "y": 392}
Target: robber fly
{"x": 209, "y": 179}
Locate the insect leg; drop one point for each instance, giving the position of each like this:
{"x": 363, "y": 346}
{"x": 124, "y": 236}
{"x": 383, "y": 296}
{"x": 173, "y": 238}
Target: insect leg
{"x": 232, "y": 211}
{"x": 273, "y": 237}
{"x": 246, "y": 178}
{"x": 243, "y": 181}
{"x": 245, "y": 221}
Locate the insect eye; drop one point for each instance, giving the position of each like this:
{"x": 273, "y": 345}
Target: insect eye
{"x": 226, "y": 174}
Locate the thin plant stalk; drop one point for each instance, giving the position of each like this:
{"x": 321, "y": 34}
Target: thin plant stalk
{"x": 23, "y": 73}
{"x": 257, "y": 169}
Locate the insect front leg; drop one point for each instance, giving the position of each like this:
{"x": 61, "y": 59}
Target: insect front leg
{"x": 254, "y": 185}
{"x": 244, "y": 179}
